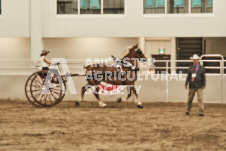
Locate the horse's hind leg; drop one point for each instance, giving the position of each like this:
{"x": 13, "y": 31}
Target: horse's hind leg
{"x": 83, "y": 90}
{"x": 137, "y": 101}
{"x": 126, "y": 97}
{"x": 129, "y": 94}
{"x": 96, "y": 93}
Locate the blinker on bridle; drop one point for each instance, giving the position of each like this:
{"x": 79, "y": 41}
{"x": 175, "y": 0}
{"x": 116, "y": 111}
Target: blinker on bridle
{"x": 138, "y": 50}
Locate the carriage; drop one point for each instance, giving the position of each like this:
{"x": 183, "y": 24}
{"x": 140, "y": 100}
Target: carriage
{"x": 34, "y": 88}
{"x": 35, "y": 84}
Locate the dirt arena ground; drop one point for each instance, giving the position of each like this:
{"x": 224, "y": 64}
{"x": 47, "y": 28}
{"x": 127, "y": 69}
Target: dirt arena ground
{"x": 121, "y": 126}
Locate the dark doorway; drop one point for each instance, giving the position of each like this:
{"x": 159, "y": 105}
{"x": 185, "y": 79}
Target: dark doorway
{"x": 186, "y": 47}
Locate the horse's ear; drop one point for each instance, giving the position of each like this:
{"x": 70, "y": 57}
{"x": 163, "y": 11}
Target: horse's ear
{"x": 135, "y": 46}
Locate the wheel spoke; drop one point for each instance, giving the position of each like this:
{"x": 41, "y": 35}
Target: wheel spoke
{"x": 50, "y": 99}
{"x": 41, "y": 98}
{"x": 37, "y": 95}
{"x": 36, "y": 86}
{"x": 29, "y": 96}
{"x": 35, "y": 90}
{"x": 38, "y": 81}
{"x": 53, "y": 95}
{"x": 54, "y": 89}
{"x": 45, "y": 99}
{"x": 56, "y": 92}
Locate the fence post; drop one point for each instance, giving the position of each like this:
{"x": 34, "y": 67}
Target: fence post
{"x": 221, "y": 69}
{"x": 222, "y": 75}
{"x": 167, "y": 81}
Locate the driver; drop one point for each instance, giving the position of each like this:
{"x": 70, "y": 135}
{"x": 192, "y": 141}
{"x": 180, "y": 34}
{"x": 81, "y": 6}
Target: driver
{"x": 47, "y": 66}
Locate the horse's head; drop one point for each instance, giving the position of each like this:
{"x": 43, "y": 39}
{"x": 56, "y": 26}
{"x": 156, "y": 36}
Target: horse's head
{"x": 138, "y": 53}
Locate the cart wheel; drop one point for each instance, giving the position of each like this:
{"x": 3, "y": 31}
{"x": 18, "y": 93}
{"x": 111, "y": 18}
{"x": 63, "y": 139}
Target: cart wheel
{"x": 28, "y": 92}
{"x": 46, "y": 95}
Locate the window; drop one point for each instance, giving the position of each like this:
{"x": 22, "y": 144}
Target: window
{"x": 113, "y": 6}
{"x": 154, "y": 6}
{"x": 67, "y": 6}
{"x": 201, "y": 6}
{"x": 90, "y": 6}
{"x": 0, "y": 7}
{"x": 177, "y": 6}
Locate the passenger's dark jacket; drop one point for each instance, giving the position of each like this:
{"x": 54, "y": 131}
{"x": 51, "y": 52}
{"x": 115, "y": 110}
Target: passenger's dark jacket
{"x": 200, "y": 80}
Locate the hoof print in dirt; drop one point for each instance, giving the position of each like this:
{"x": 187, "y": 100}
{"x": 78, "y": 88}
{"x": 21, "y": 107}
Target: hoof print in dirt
{"x": 76, "y": 103}
{"x": 140, "y": 106}
{"x": 119, "y": 100}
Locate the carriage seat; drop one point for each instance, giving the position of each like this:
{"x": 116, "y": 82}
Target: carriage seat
{"x": 38, "y": 68}
{"x": 42, "y": 75}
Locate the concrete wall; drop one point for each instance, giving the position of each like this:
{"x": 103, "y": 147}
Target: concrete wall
{"x": 211, "y": 94}
{"x": 133, "y": 23}
{"x": 82, "y": 48}
{"x": 17, "y": 15}
{"x": 151, "y": 91}
{"x": 15, "y": 18}
{"x": 216, "y": 45}
{"x": 15, "y": 48}
{"x": 152, "y": 46}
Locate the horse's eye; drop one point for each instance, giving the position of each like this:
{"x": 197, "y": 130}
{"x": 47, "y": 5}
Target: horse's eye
{"x": 139, "y": 51}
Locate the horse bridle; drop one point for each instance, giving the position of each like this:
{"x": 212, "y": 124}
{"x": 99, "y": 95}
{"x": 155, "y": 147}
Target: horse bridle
{"x": 138, "y": 50}
{"x": 124, "y": 64}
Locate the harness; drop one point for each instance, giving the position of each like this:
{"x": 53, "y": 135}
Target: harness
{"x": 120, "y": 63}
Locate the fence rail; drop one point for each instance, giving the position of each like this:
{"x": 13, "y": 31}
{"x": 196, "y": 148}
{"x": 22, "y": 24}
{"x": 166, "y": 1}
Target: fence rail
{"x": 27, "y": 67}
{"x": 11, "y": 67}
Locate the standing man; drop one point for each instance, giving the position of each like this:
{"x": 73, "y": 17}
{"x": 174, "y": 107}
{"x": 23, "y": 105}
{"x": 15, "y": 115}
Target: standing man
{"x": 197, "y": 82}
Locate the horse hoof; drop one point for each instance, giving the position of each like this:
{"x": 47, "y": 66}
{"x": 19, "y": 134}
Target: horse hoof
{"x": 103, "y": 106}
{"x": 140, "y": 106}
{"x": 76, "y": 103}
{"x": 119, "y": 100}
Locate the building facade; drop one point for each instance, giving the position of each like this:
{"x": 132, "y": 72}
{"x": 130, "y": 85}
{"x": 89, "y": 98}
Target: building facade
{"x": 28, "y": 26}
{"x": 81, "y": 29}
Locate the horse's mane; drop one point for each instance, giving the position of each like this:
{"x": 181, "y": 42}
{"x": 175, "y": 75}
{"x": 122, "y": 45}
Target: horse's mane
{"x": 126, "y": 52}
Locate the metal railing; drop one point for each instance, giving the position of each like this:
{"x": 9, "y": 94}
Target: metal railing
{"x": 27, "y": 67}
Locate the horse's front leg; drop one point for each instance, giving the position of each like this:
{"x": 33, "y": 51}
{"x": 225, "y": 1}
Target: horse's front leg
{"x": 83, "y": 90}
{"x": 96, "y": 93}
{"x": 137, "y": 100}
{"x": 126, "y": 97}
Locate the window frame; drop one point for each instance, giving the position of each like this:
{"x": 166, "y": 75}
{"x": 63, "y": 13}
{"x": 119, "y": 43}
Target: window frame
{"x": 102, "y": 2}
{"x": 101, "y": 15}
{"x": 1, "y": 8}
{"x": 189, "y": 14}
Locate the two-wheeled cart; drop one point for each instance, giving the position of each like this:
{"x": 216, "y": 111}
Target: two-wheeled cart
{"x": 36, "y": 92}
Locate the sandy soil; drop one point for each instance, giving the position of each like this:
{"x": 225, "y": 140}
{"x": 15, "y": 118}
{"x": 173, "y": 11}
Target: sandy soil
{"x": 121, "y": 126}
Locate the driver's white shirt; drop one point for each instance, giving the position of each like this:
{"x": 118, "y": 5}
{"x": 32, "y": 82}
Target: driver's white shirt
{"x": 44, "y": 64}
